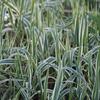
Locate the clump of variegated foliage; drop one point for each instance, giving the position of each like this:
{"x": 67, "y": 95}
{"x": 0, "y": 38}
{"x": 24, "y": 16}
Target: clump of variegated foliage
{"x": 49, "y": 50}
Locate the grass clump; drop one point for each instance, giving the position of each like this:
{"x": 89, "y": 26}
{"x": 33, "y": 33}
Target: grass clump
{"x": 49, "y": 50}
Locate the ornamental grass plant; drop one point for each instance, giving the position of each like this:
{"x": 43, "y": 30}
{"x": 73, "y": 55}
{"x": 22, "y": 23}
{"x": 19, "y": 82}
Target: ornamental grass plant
{"x": 49, "y": 50}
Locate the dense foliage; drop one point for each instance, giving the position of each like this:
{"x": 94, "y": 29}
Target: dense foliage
{"x": 49, "y": 50}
